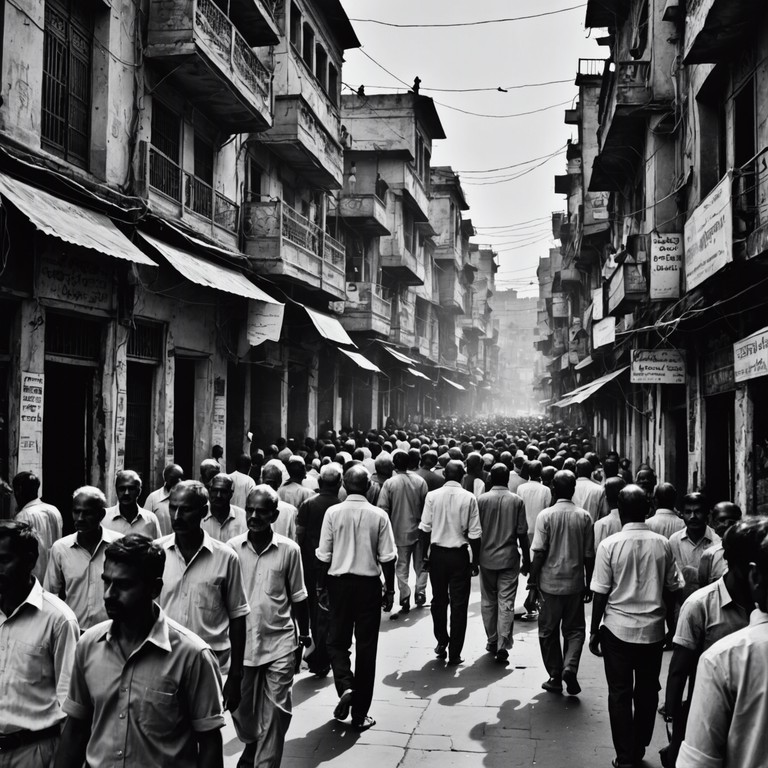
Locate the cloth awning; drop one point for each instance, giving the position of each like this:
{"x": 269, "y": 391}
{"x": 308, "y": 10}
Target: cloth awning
{"x": 330, "y": 328}
{"x": 399, "y": 356}
{"x": 208, "y": 274}
{"x": 361, "y": 361}
{"x": 585, "y": 363}
{"x": 69, "y": 222}
{"x": 453, "y": 384}
{"x": 586, "y": 391}
{"x": 419, "y": 374}
{"x": 545, "y": 402}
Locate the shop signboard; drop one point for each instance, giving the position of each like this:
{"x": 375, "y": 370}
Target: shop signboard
{"x": 657, "y": 366}
{"x": 750, "y": 357}
{"x": 604, "y": 332}
{"x": 666, "y": 258}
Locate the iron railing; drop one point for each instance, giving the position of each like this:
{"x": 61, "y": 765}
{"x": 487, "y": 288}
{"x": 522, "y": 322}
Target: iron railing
{"x": 164, "y": 174}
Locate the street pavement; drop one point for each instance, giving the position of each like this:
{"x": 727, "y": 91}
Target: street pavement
{"x": 481, "y": 714}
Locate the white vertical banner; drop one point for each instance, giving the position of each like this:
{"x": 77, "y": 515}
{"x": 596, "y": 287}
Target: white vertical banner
{"x": 31, "y": 423}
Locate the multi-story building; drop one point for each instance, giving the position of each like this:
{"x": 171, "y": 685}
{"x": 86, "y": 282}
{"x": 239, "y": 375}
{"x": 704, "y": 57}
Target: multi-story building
{"x": 671, "y": 140}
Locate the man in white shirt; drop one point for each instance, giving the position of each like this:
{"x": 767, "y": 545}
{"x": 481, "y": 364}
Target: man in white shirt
{"x": 713, "y": 564}
{"x": 242, "y": 482}
{"x": 665, "y": 521}
{"x": 689, "y": 544}
{"x": 294, "y": 492}
{"x": 535, "y": 495}
{"x": 633, "y": 582}
{"x": 729, "y": 709}
{"x": 356, "y": 540}
{"x": 223, "y": 520}
{"x": 127, "y": 516}
{"x": 285, "y": 524}
{"x": 589, "y": 495}
{"x": 450, "y": 538}
{"x": 157, "y": 501}
{"x": 607, "y": 526}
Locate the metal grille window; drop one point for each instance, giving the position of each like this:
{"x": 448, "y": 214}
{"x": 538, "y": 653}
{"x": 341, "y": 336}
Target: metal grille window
{"x": 164, "y": 167}
{"x": 145, "y": 342}
{"x": 72, "y": 336}
{"x": 66, "y": 109}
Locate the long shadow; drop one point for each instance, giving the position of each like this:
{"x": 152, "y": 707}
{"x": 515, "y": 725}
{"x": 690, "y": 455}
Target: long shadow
{"x": 304, "y": 688}
{"x": 400, "y": 621}
{"x": 322, "y": 744}
{"x": 435, "y": 676}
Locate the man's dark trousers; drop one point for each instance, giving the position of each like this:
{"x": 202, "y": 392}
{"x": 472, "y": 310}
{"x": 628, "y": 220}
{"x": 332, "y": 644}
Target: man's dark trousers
{"x": 632, "y": 673}
{"x": 355, "y": 606}
{"x": 451, "y": 579}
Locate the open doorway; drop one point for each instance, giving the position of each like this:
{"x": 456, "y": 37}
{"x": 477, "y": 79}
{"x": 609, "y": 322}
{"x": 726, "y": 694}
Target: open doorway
{"x": 138, "y": 423}
{"x": 719, "y": 447}
{"x": 184, "y": 415}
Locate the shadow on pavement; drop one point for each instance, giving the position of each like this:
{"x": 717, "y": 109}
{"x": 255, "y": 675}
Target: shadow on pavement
{"x": 435, "y": 676}
{"x": 323, "y": 744}
{"x": 410, "y": 619}
{"x": 304, "y": 688}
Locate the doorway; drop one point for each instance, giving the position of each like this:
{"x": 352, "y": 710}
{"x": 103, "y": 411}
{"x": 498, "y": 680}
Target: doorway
{"x": 184, "y": 415}
{"x": 298, "y": 402}
{"x": 138, "y": 423}
{"x": 67, "y": 434}
{"x": 719, "y": 447}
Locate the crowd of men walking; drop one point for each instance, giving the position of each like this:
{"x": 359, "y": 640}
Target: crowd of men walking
{"x": 125, "y": 642}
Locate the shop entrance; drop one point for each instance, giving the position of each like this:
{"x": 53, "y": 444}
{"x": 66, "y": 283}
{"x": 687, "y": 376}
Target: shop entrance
{"x": 719, "y": 447}
{"x": 138, "y": 423}
{"x": 184, "y": 415}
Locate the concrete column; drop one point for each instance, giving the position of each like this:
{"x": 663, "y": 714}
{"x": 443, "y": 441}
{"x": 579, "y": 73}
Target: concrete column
{"x": 312, "y": 386}
{"x": 374, "y": 400}
{"x": 204, "y": 402}
{"x": 284, "y": 399}
{"x": 336, "y": 398}
{"x": 743, "y": 449}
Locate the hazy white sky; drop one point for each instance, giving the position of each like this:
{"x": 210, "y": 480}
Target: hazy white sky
{"x": 486, "y": 56}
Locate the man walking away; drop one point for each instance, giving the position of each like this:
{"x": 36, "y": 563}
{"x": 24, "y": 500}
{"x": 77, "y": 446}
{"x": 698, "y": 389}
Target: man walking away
{"x": 634, "y": 577}
{"x": 504, "y": 525}
{"x": 665, "y": 521}
{"x": 355, "y": 540}
{"x": 402, "y": 498}
{"x": 157, "y": 501}
{"x": 589, "y": 495}
{"x": 450, "y": 533}
{"x": 242, "y": 482}
{"x": 563, "y": 558}
{"x": 607, "y": 526}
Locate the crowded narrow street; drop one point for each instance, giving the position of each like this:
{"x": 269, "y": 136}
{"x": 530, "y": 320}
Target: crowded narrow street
{"x": 482, "y": 714}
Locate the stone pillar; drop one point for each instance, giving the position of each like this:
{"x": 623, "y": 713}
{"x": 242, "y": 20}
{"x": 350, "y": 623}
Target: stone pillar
{"x": 743, "y": 424}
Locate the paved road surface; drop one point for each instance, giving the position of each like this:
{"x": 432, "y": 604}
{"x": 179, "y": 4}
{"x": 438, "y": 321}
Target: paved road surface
{"x": 478, "y": 715}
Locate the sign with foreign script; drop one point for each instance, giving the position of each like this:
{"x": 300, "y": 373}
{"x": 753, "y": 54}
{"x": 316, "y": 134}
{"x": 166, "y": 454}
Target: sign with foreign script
{"x": 604, "y": 332}
{"x": 664, "y": 269}
{"x": 750, "y": 356}
{"x": 265, "y": 320}
{"x": 657, "y": 366}
{"x": 598, "y": 312}
{"x": 709, "y": 235}
{"x": 31, "y": 422}
{"x": 77, "y": 279}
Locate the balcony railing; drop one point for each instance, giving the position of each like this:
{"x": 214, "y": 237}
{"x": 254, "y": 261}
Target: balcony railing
{"x": 164, "y": 174}
{"x": 591, "y": 67}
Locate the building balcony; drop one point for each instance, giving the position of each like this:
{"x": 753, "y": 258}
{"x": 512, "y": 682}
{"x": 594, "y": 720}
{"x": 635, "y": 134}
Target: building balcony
{"x": 255, "y": 21}
{"x": 451, "y": 292}
{"x": 285, "y": 245}
{"x": 713, "y": 28}
{"x": 414, "y": 192}
{"x": 473, "y": 323}
{"x": 366, "y": 310}
{"x": 430, "y": 349}
{"x": 448, "y": 251}
{"x": 176, "y": 193}
{"x": 204, "y": 55}
{"x": 365, "y": 213}
{"x": 398, "y": 261}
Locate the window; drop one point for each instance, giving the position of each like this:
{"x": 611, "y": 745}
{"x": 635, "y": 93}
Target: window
{"x": 295, "y": 22}
{"x": 255, "y": 172}
{"x": 333, "y": 84}
{"x": 408, "y": 231}
{"x": 419, "y": 155}
{"x": 744, "y": 149}
{"x": 321, "y": 66}
{"x": 308, "y": 49}
{"x": 200, "y": 186}
{"x": 164, "y": 155}
{"x": 66, "y": 111}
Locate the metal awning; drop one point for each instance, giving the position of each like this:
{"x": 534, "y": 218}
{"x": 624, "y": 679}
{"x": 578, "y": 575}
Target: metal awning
{"x": 585, "y": 363}
{"x": 419, "y": 374}
{"x": 586, "y": 391}
{"x": 453, "y": 384}
{"x": 361, "y": 361}
{"x": 545, "y": 402}
{"x": 69, "y": 222}
{"x": 399, "y": 356}
{"x": 330, "y": 328}
{"x": 208, "y": 274}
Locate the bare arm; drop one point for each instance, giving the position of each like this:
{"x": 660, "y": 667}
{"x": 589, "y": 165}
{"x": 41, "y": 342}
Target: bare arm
{"x": 538, "y": 563}
{"x": 525, "y": 549}
{"x": 681, "y": 667}
{"x": 598, "y": 610}
{"x": 73, "y": 743}
{"x": 235, "y": 676}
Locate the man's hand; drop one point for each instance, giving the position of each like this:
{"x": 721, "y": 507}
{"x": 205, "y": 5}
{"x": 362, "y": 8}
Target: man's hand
{"x": 388, "y": 600}
{"x": 594, "y": 644}
{"x": 425, "y": 565}
{"x": 305, "y": 640}
{"x": 232, "y": 691}
{"x": 586, "y": 595}
{"x": 525, "y": 569}
{"x": 475, "y": 570}
{"x": 322, "y": 599}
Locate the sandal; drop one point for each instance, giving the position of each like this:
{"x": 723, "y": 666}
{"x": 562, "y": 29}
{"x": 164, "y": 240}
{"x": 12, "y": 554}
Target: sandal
{"x": 364, "y": 724}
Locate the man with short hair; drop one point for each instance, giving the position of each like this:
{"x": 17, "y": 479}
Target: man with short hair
{"x": 689, "y": 544}
{"x": 534, "y": 494}
{"x": 309, "y": 523}
{"x": 223, "y": 520}
{"x": 242, "y": 482}
{"x": 646, "y": 479}
{"x": 515, "y": 478}
{"x": 38, "y": 634}
{"x": 633, "y": 582}
{"x": 504, "y": 527}
{"x": 589, "y": 495}
{"x": 76, "y": 562}
{"x": 356, "y": 542}
{"x": 450, "y": 540}
{"x": 709, "y": 614}
{"x": 127, "y": 516}
{"x": 426, "y": 471}
{"x": 285, "y": 524}
{"x": 563, "y": 558}
{"x": 203, "y": 585}
{"x": 607, "y": 526}
{"x": 44, "y": 518}
{"x": 402, "y": 498}
{"x": 209, "y": 468}
{"x": 293, "y": 492}
{"x": 157, "y": 501}
{"x": 384, "y": 470}
{"x": 274, "y": 582}
{"x": 144, "y": 689}
{"x": 665, "y": 520}
{"x": 713, "y": 564}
